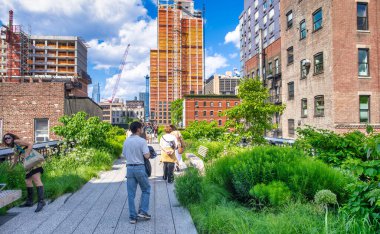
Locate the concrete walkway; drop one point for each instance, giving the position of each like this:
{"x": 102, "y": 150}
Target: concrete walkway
{"x": 101, "y": 207}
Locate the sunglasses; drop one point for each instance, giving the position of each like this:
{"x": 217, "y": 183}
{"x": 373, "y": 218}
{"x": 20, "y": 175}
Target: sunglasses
{"x": 7, "y": 138}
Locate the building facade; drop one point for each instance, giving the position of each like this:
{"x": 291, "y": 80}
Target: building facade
{"x": 30, "y": 110}
{"x": 259, "y": 26}
{"x": 222, "y": 84}
{"x": 207, "y": 107}
{"x": 331, "y": 64}
{"x": 177, "y": 65}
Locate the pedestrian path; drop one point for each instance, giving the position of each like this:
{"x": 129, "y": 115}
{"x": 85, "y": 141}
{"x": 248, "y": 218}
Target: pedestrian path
{"x": 101, "y": 207}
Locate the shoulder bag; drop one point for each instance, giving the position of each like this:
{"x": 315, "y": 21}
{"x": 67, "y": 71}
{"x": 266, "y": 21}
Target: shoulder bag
{"x": 33, "y": 159}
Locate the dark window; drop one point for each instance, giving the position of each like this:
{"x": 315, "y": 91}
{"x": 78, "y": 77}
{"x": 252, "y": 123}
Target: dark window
{"x": 211, "y": 113}
{"x": 270, "y": 68}
{"x": 290, "y": 90}
{"x": 204, "y": 113}
{"x": 204, "y": 104}
{"x": 196, "y": 104}
{"x": 220, "y": 122}
{"x": 303, "y": 69}
{"x": 304, "y": 108}
{"x": 291, "y": 127}
{"x": 362, "y": 12}
{"x": 318, "y": 63}
{"x": 289, "y": 19}
{"x": 319, "y": 106}
{"x": 363, "y": 62}
{"x": 303, "y": 29}
{"x": 290, "y": 55}
{"x": 364, "y": 108}
{"x": 317, "y": 20}
{"x": 196, "y": 114}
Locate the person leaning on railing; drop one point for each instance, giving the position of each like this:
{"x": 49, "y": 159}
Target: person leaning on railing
{"x": 23, "y": 149}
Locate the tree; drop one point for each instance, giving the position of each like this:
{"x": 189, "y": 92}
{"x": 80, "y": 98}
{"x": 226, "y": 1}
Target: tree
{"x": 253, "y": 116}
{"x": 177, "y": 112}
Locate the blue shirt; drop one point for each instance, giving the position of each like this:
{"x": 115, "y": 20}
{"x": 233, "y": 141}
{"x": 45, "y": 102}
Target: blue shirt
{"x": 134, "y": 148}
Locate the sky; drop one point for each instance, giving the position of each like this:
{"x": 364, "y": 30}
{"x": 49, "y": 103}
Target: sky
{"x": 108, "y": 26}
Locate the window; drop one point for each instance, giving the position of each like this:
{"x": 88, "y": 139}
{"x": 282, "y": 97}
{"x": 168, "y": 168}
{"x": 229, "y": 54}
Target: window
{"x": 291, "y": 127}
{"x": 220, "y": 122}
{"x": 277, "y": 66}
{"x": 290, "y": 55}
{"x": 228, "y": 104}
{"x": 290, "y": 90}
{"x": 303, "y": 69}
{"x": 318, "y": 63}
{"x": 265, "y": 33}
{"x": 211, "y": 113}
{"x": 317, "y": 20}
{"x": 249, "y": 11}
{"x": 304, "y": 108}
{"x": 319, "y": 106}
{"x": 41, "y": 130}
{"x": 270, "y": 68}
{"x": 256, "y": 15}
{"x": 265, "y": 19}
{"x": 256, "y": 3}
{"x": 196, "y": 103}
{"x": 257, "y": 27}
{"x": 196, "y": 113}
{"x": 362, "y": 14}
{"x": 204, "y": 113}
{"x": 289, "y": 19}
{"x": 219, "y": 104}
{"x": 364, "y": 109}
{"x": 363, "y": 62}
{"x": 1, "y": 130}
{"x": 303, "y": 29}
{"x": 265, "y": 5}
{"x": 271, "y": 14}
{"x": 271, "y": 28}
{"x": 271, "y": 40}
{"x": 212, "y": 104}
{"x": 204, "y": 103}
{"x": 236, "y": 103}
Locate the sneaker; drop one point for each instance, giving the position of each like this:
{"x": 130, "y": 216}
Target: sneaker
{"x": 144, "y": 215}
{"x": 132, "y": 221}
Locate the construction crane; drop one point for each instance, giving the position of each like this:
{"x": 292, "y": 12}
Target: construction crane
{"x": 121, "y": 68}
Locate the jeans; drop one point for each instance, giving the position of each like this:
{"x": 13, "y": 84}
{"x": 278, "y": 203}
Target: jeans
{"x": 137, "y": 175}
{"x": 168, "y": 171}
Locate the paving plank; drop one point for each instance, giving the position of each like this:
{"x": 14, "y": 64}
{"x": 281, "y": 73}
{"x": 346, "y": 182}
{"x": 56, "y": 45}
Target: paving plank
{"x": 74, "y": 219}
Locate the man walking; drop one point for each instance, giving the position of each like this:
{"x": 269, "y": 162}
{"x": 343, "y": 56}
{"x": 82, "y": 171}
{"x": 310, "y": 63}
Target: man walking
{"x": 135, "y": 149}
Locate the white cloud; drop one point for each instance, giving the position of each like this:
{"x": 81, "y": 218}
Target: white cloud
{"x": 215, "y": 62}
{"x": 233, "y": 37}
{"x": 233, "y": 55}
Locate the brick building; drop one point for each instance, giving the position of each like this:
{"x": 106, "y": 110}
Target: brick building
{"x": 331, "y": 63}
{"x": 30, "y": 110}
{"x": 207, "y": 107}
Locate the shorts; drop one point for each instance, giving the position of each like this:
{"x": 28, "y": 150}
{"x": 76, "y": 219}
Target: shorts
{"x": 34, "y": 171}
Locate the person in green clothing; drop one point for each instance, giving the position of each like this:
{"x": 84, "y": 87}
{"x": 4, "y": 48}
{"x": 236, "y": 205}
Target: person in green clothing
{"x": 23, "y": 149}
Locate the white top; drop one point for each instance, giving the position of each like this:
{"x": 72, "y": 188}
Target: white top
{"x": 134, "y": 149}
{"x": 165, "y": 139}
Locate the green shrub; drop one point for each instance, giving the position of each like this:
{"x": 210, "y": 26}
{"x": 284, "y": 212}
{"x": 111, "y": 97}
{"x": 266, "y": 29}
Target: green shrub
{"x": 276, "y": 193}
{"x": 188, "y": 187}
{"x": 203, "y": 130}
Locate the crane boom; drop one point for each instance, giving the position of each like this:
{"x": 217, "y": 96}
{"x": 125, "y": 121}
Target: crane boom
{"x": 121, "y": 68}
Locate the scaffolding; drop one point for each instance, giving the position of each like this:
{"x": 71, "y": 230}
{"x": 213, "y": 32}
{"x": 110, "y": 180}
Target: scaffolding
{"x": 177, "y": 50}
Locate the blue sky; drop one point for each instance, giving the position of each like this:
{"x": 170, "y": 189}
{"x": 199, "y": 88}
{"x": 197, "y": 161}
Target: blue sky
{"x": 109, "y": 26}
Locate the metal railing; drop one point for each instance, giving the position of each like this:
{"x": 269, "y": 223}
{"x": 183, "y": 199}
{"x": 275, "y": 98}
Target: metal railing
{"x": 45, "y": 148}
{"x": 279, "y": 141}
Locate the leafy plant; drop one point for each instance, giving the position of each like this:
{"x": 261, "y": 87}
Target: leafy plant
{"x": 177, "y": 112}
{"x": 253, "y": 116}
{"x": 276, "y": 193}
{"x": 324, "y": 198}
{"x": 203, "y": 130}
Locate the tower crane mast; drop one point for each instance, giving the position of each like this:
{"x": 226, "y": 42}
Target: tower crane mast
{"x": 121, "y": 68}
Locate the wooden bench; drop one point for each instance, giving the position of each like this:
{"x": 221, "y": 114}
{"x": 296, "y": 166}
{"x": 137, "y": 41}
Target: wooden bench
{"x": 8, "y": 196}
{"x": 202, "y": 151}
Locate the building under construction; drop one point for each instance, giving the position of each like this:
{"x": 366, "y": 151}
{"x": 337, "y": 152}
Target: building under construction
{"x": 177, "y": 66}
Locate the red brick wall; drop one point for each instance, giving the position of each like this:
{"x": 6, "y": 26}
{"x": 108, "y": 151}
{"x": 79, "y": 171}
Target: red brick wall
{"x": 21, "y": 103}
{"x": 190, "y": 108}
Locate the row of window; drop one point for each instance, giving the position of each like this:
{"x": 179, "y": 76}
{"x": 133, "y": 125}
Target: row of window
{"x": 205, "y": 113}
{"x": 41, "y": 130}
{"x": 212, "y": 104}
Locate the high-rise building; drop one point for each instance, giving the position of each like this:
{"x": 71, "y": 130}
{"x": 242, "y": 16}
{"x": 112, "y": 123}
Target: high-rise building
{"x": 177, "y": 65}
{"x": 96, "y": 93}
{"x": 331, "y": 56}
{"x": 222, "y": 84}
{"x": 142, "y": 96}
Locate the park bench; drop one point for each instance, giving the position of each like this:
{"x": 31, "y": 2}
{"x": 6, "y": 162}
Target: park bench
{"x": 8, "y": 196}
{"x": 202, "y": 151}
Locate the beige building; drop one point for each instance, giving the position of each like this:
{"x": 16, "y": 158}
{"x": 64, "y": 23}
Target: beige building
{"x": 330, "y": 64}
{"x": 222, "y": 84}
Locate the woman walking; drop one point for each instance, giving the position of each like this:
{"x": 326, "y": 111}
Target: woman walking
{"x": 180, "y": 146}
{"x": 23, "y": 149}
{"x": 168, "y": 144}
